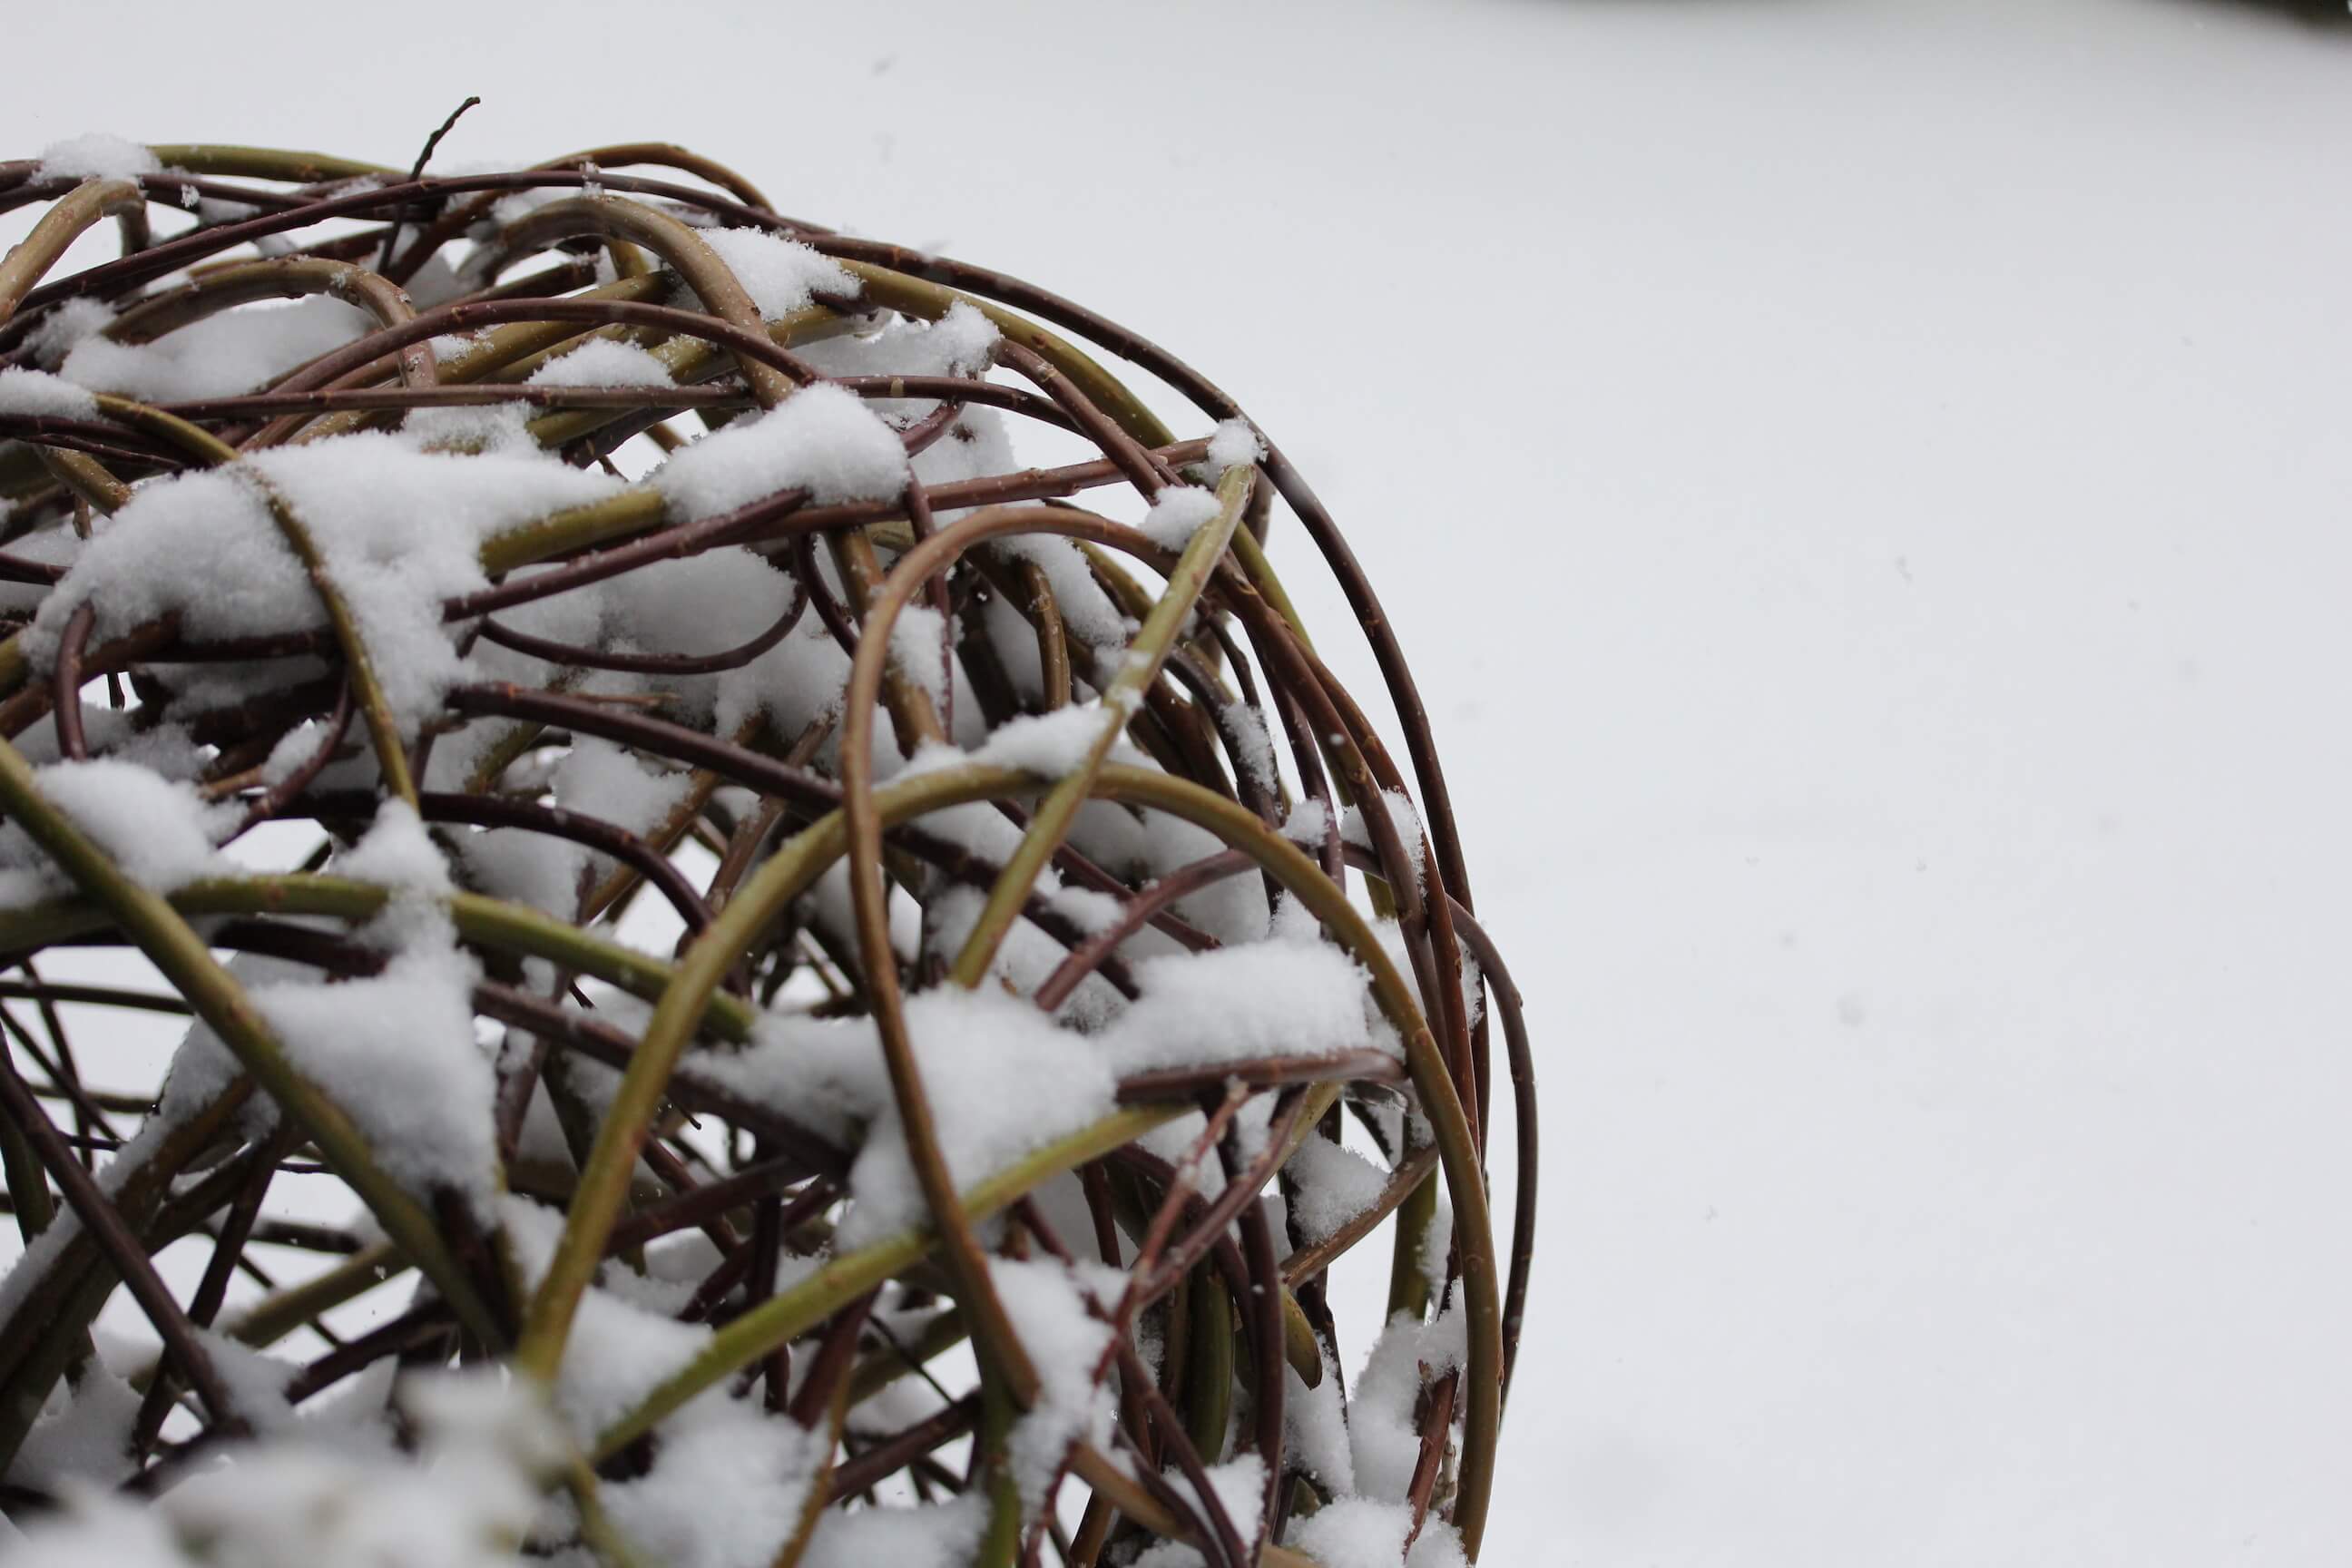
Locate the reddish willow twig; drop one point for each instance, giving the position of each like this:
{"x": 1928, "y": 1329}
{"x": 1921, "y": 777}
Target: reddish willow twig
{"x": 682, "y": 1148}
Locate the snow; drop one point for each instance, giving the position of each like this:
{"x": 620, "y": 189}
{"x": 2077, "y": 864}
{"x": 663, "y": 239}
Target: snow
{"x": 1087, "y": 612}
{"x": 397, "y": 852}
{"x": 1404, "y": 818}
{"x": 1051, "y": 746}
{"x": 234, "y": 351}
{"x": 605, "y": 781}
{"x": 962, "y": 343}
{"x": 1408, "y": 1354}
{"x": 1177, "y": 514}
{"x": 1362, "y": 1533}
{"x": 1331, "y": 1186}
{"x": 100, "y": 1529}
{"x": 479, "y": 427}
{"x": 534, "y": 869}
{"x": 400, "y": 529}
{"x": 617, "y": 1352}
{"x": 396, "y": 1052}
{"x": 156, "y": 831}
{"x": 95, "y": 155}
{"x": 820, "y": 438}
{"x": 1233, "y": 910}
{"x": 461, "y": 1502}
{"x": 65, "y": 325}
{"x": 940, "y": 1535}
{"x": 83, "y": 1435}
{"x": 963, "y": 340}
{"x": 202, "y": 1066}
{"x": 705, "y": 603}
{"x": 38, "y": 393}
{"x": 293, "y": 749}
{"x": 255, "y": 1383}
{"x": 1047, "y": 1302}
{"x": 916, "y": 645}
{"x": 1168, "y": 1554}
{"x": 602, "y": 362}
{"x": 1002, "y": 1082}
{"x": 1026, "y": 956}
{"x": 1234, "y": 1004}
{"x": 780, "y": 275}
{"x": 1437, "y": 1242}
{"x": 1316, "y": 1429}
{"x": 1238, "y": 1484}
{"x": 1001, "y": 1079}
{"x": 1253, "y": 747}
{"x": 725, "y": 1491}
{"x": 1231, "y": 444}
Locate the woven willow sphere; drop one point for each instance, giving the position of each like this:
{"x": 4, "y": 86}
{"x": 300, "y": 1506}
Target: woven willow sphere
{"x": 677, "y": 889}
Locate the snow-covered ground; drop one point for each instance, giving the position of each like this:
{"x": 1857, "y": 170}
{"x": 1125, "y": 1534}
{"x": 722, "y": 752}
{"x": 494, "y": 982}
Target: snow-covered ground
{"x": 1866, "y": 488}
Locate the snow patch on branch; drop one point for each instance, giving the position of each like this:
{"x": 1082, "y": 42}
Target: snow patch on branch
{"x": 401, "y": 530}
{"x": 96, "y": 155}
{"x": 821, "y": 439}
{"x": 41, "y": 394}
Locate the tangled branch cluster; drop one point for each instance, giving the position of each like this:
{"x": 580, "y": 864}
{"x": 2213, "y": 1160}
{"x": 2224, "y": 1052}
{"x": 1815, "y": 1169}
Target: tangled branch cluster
{"x": 855, "y": 990}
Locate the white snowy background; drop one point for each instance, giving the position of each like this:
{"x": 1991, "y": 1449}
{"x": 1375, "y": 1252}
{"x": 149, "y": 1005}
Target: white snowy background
{"x": 1866, "y": 488}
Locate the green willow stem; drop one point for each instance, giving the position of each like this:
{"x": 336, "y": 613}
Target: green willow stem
{"x": 574, "y": 528}
{"x": 1255, "y": 565}
{"x": 86, "y": 478}
{"x": 1000, "y": 1542}
{"x": 1208, "y": 1367}
{"x": 274, "y": 1316}
{"x": 1051, "y": 823}
{"x": 28, "y": 1189}
{"x": 1409, "y": 1284}
{"x": 184, "y": 960}
{"x": 72, "y": 214}
{"x": 224, "y": 160}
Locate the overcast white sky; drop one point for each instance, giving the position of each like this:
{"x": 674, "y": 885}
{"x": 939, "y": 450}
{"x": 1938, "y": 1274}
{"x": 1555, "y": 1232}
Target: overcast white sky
{"x": 1866, "y": 488}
